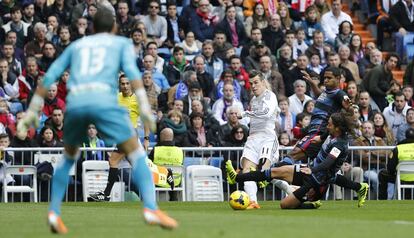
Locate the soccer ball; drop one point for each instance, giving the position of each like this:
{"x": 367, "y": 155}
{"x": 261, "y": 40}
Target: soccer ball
{"x": 239, "y": 200}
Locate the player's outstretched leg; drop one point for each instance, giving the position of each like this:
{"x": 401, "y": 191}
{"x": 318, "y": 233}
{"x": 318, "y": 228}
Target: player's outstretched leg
{"x": 310, "y": 205}
{"x": 59, "y": 184}
{"x": 362, "y": 194}
{"x": 231, "y": 173}
{"x": 142, "y": 177}
{"x": 233, "y": 177}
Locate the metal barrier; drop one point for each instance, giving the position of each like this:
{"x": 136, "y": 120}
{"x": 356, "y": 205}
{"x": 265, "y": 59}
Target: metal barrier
{"x": 200, "y": 155}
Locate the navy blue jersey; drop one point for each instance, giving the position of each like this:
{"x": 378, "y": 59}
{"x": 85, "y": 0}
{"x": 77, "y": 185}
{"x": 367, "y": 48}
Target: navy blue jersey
{"x": 330, "y": 101}
{"x": 335, "y": 150}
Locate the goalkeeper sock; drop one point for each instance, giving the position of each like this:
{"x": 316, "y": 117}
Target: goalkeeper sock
{"x": 112, "y": 178}
{"x": 60, "y": 182}
{"x": 254, "y": 176}
{"x": 142, "y": 177}
{"x": 342, "y": 181}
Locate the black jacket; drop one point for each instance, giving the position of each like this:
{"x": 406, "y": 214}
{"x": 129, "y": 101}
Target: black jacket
{"x": 399, "y": 17}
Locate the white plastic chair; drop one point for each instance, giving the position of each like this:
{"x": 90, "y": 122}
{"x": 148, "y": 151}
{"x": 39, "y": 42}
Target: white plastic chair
{"x": 404, "y": 167}
{"x": 20, "y": 170}
{"x": 181, "y": 188}
{"x": 204, "y": 183}
{"x": 94, "y": 177}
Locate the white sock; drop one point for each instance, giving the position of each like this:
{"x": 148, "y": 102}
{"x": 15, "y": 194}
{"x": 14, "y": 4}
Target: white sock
{"x": 282, "y": 185}
{"x": 250, "y": 188}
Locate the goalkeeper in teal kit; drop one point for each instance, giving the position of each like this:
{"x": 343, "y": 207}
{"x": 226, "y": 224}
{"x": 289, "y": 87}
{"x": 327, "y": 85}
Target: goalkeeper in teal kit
{"x": 94, "y": 63}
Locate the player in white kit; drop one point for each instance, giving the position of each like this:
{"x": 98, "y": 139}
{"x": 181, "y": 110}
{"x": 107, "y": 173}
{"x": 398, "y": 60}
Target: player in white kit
{"x": 261, "y": 145}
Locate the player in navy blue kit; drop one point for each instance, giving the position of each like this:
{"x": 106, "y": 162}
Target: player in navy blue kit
{"x": 330, "y": 100}
{"x": 312, "y": 180}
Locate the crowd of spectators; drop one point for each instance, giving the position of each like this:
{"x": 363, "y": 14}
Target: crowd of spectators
{"x": 195, "y": 57}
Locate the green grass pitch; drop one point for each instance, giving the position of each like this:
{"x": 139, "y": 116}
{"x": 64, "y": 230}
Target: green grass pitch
{"x": 390, "y": 219}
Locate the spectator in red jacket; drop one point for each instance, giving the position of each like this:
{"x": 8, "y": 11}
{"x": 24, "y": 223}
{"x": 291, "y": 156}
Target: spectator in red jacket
{"x": 239, "y": 72}
{"x": 28, "y": 80}
{"x": 52, "y": 101}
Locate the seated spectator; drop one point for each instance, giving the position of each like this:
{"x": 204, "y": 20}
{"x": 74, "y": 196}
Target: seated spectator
{"x": 396, "y": 112}
{"x": 357, "y": 49}
{"x": 285, "y": 62}
{"x": 124, "y": 20}
{"x": 191, "y": 46}
{"x": 175, "y": 26}
{"x": 299, "y": 44}
{"x": 152, "y": 90}
{"x": 198, "y": 134}
{"x": 52, "y": 27}
{"x": 221, "y": 45}
{"x": 64, "y": 39}
{"x": 344, "y": 35}
{"x": 16, "y": 24}
{"x": 48, "y": 138}
{"x": 180, "y": 90}
{"x": 93, "y": 141}
{"x": 29, "y": 79}
{"x": 297, "y": 72}
{"x": 331, "y": 20}
{"x": 401, "y": 20}
{"x": 15, "y": 65}
{"x": 202, "y": 21}
{"x": 210, "y": 123}
{"x": 409, "y": 95}
{"x": 62, "y": 89}
{"x": 383, "y": 21}
{"x": 315, "y": 63}
{"x": 287, "y": 22}
{"x": 258, "y": 19}
{"x": 284, "y": 139}
{"x": 155, "y": 24}
{"x": 232, "y": 27}
{"x": 5, "y": 159}
{"x": 239, "y": 72}
{"x": 56, "y": 122}
{"x": 80, "y": 29}
{"x": 273, "y": 77}
{"x": 220, "y": 106}
{"x": 34, "y": 47}
{"x": 352, "y": 91}
{"x": 382, "y": 130}
{"x": 308, "y": 107}
{"x": 395, "y": 88}
{"x": 12, "y": 37}
{"x": 298, "y": 100}
{"x": 409, "y": 74}
{"x": 311, "y": 23}
{"x": 237, "y": 138}
{"x": 48, "y": 56}
{"x": 270, "y": 7}
{"x": 159, "y": 62}
{"x": 255, "y": 36}
{"x": 174, "y": 120}
{"x": 232, "y": 113}
{"x": 239, "y": 91}
{"x": 214, "y": 65}
{"x": 409, "y": 124}
{"x": 31, "y": 132}
{"x": 9, "y": 87}
{"x": 203, "y": 77}
{"x": 302, "y": 121}
{"x": 372, "y": 161}
{"x": 320, "y": 47}
{"x": 52, "y": 101}
{"x": 194, "y": 93}
{"x": 6, "y": 118}
{"x": 139, "y": 42}
{"x": 366, "y": 110}
{"x": 273, "y": 35}
{"x": 287, "y": 120}
{"x": 256, "y": 52}
{"x": 176, "y": 66}
{"x": 159, "y": 79}
{"x": 344, "y": 55}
